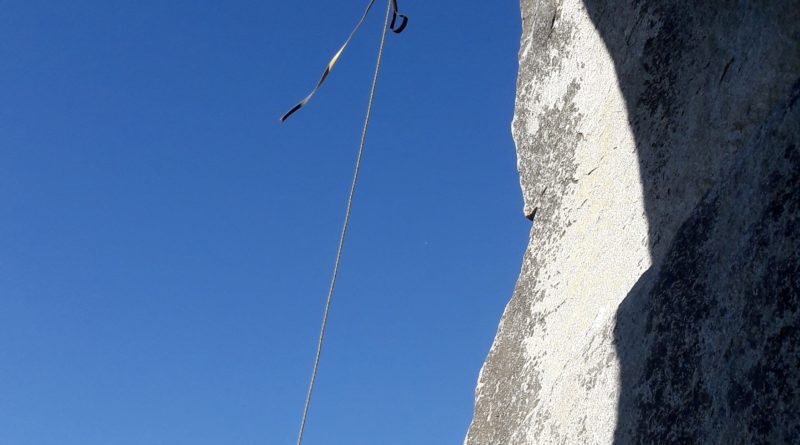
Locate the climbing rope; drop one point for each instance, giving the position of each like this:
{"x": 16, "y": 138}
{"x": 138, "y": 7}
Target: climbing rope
{"x": 391, "y": 10}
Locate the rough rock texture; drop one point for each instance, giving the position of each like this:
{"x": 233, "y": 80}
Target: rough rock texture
{"x": 658, "y": 148}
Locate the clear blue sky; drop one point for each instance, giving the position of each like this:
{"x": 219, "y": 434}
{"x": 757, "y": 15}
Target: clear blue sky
{"x": 166, "y": 244}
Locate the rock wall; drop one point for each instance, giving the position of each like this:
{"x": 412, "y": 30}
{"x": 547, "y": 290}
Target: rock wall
{"x": 658, "y": 149}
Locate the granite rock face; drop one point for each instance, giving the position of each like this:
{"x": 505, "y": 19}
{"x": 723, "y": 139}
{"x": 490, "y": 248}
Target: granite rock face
{"x": 658, "y": 149}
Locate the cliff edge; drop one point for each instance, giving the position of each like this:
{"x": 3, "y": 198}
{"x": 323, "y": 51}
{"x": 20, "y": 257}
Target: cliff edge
{"x": 658, "y": 147}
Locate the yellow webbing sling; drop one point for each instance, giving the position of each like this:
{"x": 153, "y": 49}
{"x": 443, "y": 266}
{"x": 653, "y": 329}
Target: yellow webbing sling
{"x": 396, "y": 27}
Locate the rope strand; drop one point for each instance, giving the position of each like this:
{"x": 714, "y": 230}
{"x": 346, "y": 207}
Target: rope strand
{"x": 344, "y": 226}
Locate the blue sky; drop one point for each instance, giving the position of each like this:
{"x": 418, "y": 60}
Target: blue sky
{"x": 166, "y": 243}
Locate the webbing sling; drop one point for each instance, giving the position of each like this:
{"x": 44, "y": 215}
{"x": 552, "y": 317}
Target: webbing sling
{"x": 396, "y": 27}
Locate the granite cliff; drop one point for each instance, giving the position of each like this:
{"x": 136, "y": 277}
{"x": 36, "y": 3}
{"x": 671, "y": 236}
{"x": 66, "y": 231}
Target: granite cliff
{"x": 658, "y": 147}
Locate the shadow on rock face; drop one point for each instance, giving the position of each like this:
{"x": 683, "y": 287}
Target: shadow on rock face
{"x": 709, "y": 338}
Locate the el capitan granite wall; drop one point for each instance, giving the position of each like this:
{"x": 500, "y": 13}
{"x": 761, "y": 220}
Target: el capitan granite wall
{"x": 658, "y": 147}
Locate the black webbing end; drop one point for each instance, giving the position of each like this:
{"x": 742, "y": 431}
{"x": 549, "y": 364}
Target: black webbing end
{"x": 291, "y": 112}
{"x": 397, "y": 29}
